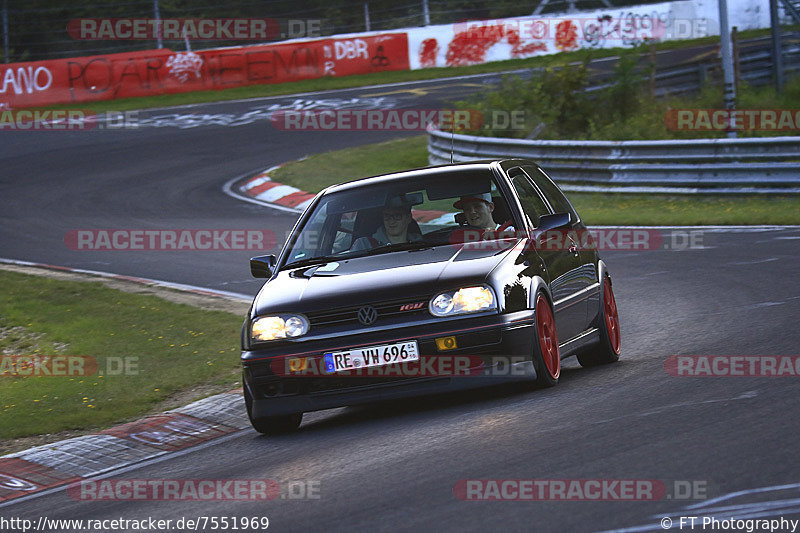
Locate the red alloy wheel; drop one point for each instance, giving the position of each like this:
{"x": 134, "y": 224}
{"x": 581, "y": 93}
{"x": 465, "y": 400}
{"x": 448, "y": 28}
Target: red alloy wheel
{"x": 548, "y": 339}
{"x": 611, "y": 316}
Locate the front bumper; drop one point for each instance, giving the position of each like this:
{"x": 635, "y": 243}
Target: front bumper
{"x": 491, "y": 349}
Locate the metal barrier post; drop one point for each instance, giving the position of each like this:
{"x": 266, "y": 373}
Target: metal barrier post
{"x": 777, "y": 49}
{"x": 5, "y": 32}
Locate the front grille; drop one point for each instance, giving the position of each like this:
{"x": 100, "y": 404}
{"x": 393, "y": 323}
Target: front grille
{"x": 346, "y": 316}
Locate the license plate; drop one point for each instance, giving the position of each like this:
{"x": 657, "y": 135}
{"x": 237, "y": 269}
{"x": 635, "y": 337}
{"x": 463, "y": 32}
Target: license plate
{"x": 385, "y": 354}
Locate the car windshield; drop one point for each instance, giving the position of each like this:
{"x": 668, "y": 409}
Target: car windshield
{"x": 416, "y": 212}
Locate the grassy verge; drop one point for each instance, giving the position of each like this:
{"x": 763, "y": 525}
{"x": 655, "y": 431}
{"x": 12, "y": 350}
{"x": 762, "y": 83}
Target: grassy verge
{"x": 595, "y": 208}
{"x": 168, "y": 347}
{"x": 353, "y": 163}
{"x": 686, "y": 210}
{"x": 378, "y": 78}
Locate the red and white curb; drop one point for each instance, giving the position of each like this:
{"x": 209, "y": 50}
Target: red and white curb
{"x": 53, "y": 465}
{"x": 261, "y": 187}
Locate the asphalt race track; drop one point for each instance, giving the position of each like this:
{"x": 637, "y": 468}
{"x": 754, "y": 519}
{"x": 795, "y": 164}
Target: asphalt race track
{"x": 393, "y": 467}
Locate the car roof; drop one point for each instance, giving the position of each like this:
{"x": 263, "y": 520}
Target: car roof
{"x": 483, "y": 165}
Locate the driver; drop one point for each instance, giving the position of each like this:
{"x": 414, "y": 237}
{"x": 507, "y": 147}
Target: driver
{"x": 477, "y": 210}
{"x": 396, "y": 219}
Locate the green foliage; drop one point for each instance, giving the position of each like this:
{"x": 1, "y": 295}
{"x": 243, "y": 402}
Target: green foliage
{"x": 557, "y": 106}
{"x": 554, "y": 97}
{"x": 623, "y": 98}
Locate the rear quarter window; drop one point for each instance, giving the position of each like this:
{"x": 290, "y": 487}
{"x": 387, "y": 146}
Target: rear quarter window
{"x": 532, "y": 204}
{"x": 551, "y": 191}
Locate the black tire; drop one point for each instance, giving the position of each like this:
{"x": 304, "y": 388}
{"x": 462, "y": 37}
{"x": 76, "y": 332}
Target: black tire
{"x": 277, "y": 425}
{"x": 271, "y": 425}
{"x": 546, "y": 357}
{"x": 610, "y": 345}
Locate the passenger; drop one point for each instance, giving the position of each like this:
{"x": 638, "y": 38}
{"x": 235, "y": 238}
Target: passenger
{"x": 395, "y": 228}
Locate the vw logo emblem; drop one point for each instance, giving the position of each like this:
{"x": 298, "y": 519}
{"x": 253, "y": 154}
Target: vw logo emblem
{"x": 367, "y": 315}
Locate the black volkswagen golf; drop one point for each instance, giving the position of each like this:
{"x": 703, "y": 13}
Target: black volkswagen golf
{"x": 425, "y": 281}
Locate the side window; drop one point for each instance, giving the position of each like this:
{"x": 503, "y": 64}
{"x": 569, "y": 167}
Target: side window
{"x": 552, "y": 192}
{"x": 309, "y": 243}
{"x": 532, "y": 203}
{"x": 343, "y": 238}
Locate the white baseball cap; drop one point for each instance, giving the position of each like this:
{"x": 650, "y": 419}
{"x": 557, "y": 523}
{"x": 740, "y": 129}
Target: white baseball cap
{"x": 485, "y": 197}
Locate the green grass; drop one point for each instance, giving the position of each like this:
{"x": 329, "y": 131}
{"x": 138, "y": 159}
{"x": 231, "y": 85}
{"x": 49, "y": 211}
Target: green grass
{"x": 686, "y": 210}
{"x": 177, "y": 346}
{"x": 378, "y": 78}
{"x": 595, "y": 208}
{"x": 353, "y": 163}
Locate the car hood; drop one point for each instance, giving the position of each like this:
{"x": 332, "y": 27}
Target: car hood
{"x": 372, "y": 279}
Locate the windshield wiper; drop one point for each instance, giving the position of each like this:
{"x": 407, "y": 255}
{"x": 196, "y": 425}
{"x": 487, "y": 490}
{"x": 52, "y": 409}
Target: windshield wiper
{"x": 417, "y": 245}
{"x": 319, "y": 260}
{"x": 322, "y": 259}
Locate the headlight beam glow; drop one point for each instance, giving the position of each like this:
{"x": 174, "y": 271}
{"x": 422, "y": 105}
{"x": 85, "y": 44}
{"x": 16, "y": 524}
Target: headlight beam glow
{"x": 462, "y": 301}
{"x": 268, "y": 328}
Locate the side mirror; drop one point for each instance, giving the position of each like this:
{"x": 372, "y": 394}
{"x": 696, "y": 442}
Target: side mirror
{"x": 555, "y": 221}
{"x": 550, "y": 233}
{"x": 262, "y": 266}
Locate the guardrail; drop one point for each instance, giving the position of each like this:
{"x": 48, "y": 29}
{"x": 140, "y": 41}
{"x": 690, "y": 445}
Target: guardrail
{"x": 768, "y": 164}
{"x": 755, "y": 67}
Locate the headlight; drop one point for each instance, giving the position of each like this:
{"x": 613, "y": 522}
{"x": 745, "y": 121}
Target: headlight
{"x": 268, "y": 328}
{"x": 466, "y": 300}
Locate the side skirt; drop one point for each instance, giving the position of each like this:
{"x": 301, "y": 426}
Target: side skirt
{"x": 587, "y": 338}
